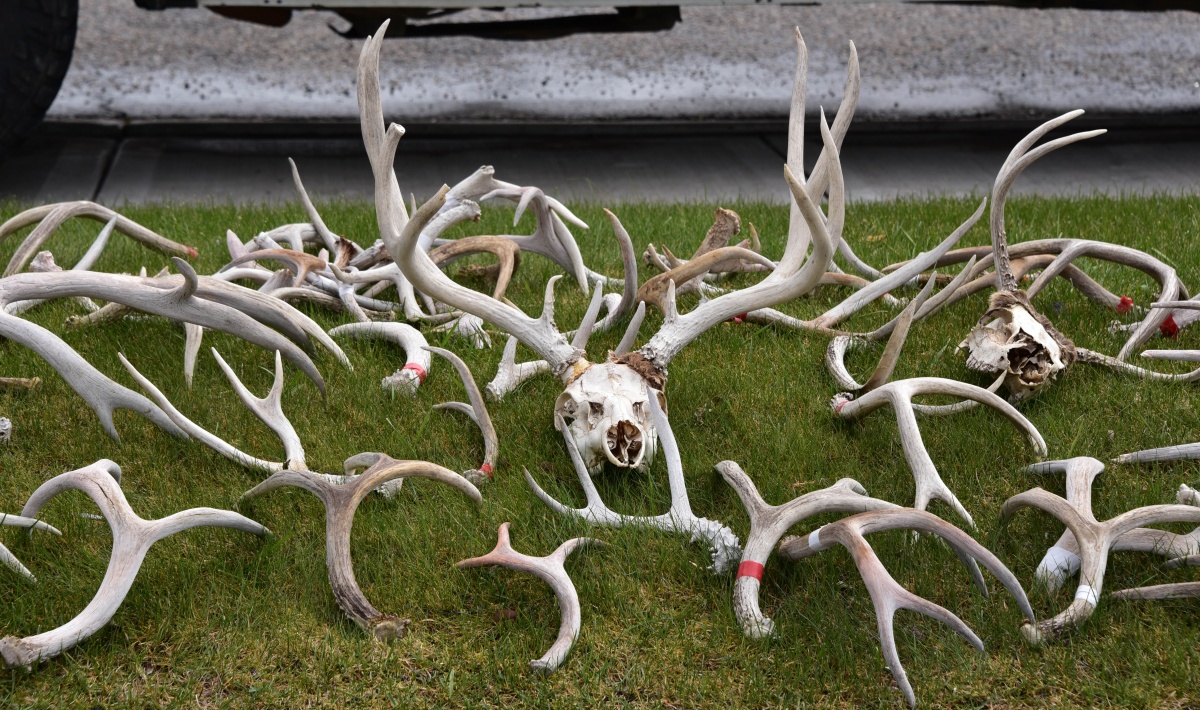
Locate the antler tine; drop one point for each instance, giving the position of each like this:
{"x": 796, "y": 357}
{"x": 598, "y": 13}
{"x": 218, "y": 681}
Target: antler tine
{"x": 550, "y": 570}
{"x": 510, "y": 374}
{"x": 52, "y": 217}
{"x": 933, "y": 304}
{"x": 1020, "y": 158}
{"x": 269, "y": 410}
{"x": 891, "y": 352}
{"x": 341, "y": 501}
{"x": 1061, "y": 561}
{"x": 629, "y": 264}
{"x": 380, "y": 141}
{"x": 768, "y": 524}
{"x": 579, "y": 342}
{"x": 7, "y": 558}
{"x": 328, "y": 238}
{"x": 887, "y": 596}
{"x": 631, "y": 331}
{"x": 792, "y": 278}
{"x": 102, "y": 394}
{"x": 929, "y": 484}
{"x": 194, "y": 430}
{"x": 478, "y": 413}
{"x": 132, "y": 538}
{"x": 539, "y": 334}
{"x": 409, "y": 378}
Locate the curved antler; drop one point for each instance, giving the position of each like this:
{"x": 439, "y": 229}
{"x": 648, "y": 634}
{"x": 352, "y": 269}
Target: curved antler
{"x": 478, "y": 413}
{"x": 407, "y": 379}
{"x": 132, "y": 538}
{"x": 550, "y": 570}
{"x": 341, "y": 501}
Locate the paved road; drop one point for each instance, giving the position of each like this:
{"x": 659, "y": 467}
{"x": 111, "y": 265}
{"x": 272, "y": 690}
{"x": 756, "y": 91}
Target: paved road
{"x": 918, "y": 62}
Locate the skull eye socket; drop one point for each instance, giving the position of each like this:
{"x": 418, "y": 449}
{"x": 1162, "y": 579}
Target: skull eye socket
{"x": 597, "y": 408}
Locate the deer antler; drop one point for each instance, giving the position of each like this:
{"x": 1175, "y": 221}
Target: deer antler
{"x": 887, "y": 595}
{"x": 51, "y": 218}
{"x": 1095, "y": 539}
{"x": 132, "y": 538}
{"x": 550, "y": 570}
{"x": 407, "y": 379}
{"x": 679, "y": 518}
{"x": 341, "y": 501}
{"x": 478, "y": 413}
{"x": 7, "y": 558}
{"x": 768, "y": 523}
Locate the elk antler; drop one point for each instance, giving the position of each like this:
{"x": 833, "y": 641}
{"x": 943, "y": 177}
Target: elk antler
{"x": 7, "y": 558}
{"x": 768, "y": 523}
{"x": 550, "y": 570}
{"x": 341, "y": 501}
{"x": 887, "y": 595}
{"x": 679, "y": 518}
{"x": 899, "y": 395}
{"x": 132, "y": 538}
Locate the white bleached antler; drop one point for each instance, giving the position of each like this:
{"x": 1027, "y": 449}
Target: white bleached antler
{"x": 679, "y": 518}
{"x": 768, "y": 523}
{"x": 407, "y": 379}
{"x": 132, "y": 538}
{"x": 550, "y": 570}
{"x": 478, "y": 413}
{"x": 887, "y": 595}
{"x": 899, "y": 396}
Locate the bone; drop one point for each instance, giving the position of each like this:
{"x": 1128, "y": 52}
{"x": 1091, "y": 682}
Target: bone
{"x": 929, "y": 483}
{"x": 477, "y": 411}
{"x": 132, "y": 539}
{"x": 510, "y": 374}
{"x": 768, "y": 523}
{"x": 411, "y": 376}
{"x": 679, "y": 518}
{"x": 341, "y": 501}
{"x": 1096, "y": 540}
{"x": 887, "y": 595}
{"x": 550, "y": 570}
{"x": 51, "y": 217}
{"x": 507, "y": 253}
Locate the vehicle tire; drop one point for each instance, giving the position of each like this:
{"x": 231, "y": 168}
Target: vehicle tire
{"x": 36, "y": 39}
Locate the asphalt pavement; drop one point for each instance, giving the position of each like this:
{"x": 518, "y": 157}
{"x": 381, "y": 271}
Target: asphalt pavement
{"x": 183, "y": 105}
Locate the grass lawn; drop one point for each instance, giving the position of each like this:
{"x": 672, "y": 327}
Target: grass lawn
{"x": 223, "y": 619}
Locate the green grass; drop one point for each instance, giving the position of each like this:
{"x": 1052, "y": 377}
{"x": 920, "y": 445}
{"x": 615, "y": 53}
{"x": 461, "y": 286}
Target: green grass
{"x": 218, "y": 618}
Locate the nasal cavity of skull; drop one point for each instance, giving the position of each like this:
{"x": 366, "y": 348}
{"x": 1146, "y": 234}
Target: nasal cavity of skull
{"x": 624, "y": 441}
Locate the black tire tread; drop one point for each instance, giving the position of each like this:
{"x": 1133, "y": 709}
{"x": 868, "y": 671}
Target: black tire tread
{"x": 36, "y": 41}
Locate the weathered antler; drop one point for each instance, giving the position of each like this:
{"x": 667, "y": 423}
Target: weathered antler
{"x": 341, "y": 501}
{"x": 899, "y": 396}
{"x": 550, "y": 570}
{"x": 679, "y": 518}
{"x": 887, "y": 595}
{"x": 478, "y": 413}
{"x": 1096, "y": 539}
{"x": 407, "y": 379}
{"x": 768, "y": 523}
{"x": 132, "y": 538}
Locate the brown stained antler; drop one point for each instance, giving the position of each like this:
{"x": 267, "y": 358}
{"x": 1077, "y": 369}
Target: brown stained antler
{"x": 341, "y": 500}
{"x": 887, "y": 595}
{"x": 20, "y": 383}
{"x": 507, "y": 253}
{"x": 132, "y": 539}
{"x": 768, "y": 523}
{"x": 51, "y": 218}
{"x": 550, "y": 570}
{"x": 298, "y": 262}
{"x": 655, "y": 290}
{"x": 1096, "y": 539}
{"x": 478, "y": 413}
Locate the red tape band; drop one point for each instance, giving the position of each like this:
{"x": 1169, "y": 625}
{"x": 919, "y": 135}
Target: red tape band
{"x": 750, "y": 569}
{"x": 1169, "y": 328}
{"x": 1126, "y": 305}
{"x": 741, "y": 317}
{"x": 421, "y": 374}
{"x": 486, "y": 469}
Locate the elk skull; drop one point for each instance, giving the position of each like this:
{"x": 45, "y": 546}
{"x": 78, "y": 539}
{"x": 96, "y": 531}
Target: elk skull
{"x": 605, "y": 412}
